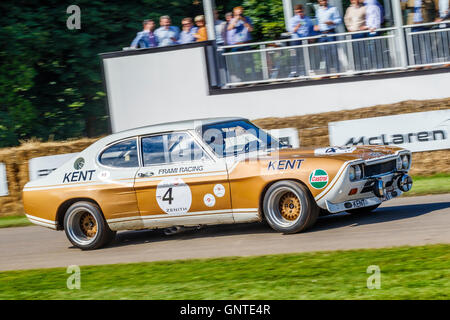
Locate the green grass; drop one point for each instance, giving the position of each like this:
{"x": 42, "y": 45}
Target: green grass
{"x": 14, "y": 221}
{"x": 436, "y": 184}
{"x": 406, "y": 273}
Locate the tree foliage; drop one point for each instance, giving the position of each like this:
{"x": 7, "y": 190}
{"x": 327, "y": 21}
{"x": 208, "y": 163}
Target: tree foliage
{"x": 50, "y": 77}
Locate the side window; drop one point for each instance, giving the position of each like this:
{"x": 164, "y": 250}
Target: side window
{"x": 121, "y": 155}
{"x": 170, "y": 148}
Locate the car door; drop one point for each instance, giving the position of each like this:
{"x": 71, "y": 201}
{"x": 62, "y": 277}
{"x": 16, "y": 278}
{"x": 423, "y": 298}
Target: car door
{"x": 118, "y": 164}
{"x": 181, "y": 183}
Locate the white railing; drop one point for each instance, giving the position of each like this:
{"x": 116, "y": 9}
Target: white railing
{"x": 332, "y": 55}
{"x": 428, "y": 44}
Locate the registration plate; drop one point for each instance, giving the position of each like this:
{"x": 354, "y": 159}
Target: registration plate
{"x": 358, "y": 203}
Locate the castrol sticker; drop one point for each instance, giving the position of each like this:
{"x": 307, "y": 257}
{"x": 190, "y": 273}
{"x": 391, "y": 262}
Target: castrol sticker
{"x": 174, "y": 196}
{"x": 318, "y": 179}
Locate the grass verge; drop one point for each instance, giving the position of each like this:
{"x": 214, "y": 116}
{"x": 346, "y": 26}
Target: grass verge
{"x": 406, "y": 273}
{"x": 14, "y": 221}
{"x": 436, "y": 184}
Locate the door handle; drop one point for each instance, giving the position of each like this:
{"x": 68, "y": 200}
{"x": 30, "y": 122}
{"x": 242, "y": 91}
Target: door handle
{"x": 145, "y": 174}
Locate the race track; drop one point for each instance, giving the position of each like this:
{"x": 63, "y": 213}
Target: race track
{"x": 404, "y": 221}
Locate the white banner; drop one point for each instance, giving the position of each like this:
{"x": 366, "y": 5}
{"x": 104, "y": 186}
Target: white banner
{"x": 43, "y": 166}
{"x": 287, "y": 136}
{"x": 422, "y": 131}
{"x": 3, "y": 181}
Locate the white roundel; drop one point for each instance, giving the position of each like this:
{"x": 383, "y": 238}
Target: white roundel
{"x": 103, "y": 175}
{"x": 219, "y": 190}
{"x": 174, "y": 196}
{"x": 209, "y": 200}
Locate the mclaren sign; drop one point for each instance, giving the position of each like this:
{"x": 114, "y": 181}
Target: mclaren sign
{"x": 422, "y": 131}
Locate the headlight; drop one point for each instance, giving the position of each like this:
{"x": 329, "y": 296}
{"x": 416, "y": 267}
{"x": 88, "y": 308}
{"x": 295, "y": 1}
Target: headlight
{"x": 405, "y": 162}
{"x": 351, "y": 173}
{"x": 399, "y": 164}
{"x": 355, "y": 173}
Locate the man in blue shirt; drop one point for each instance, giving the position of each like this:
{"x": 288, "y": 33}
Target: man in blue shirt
{"x": 328, "y": 18}
{"x": 300, "y": 26}
{"x": 187, "y": 31}
{"x": 145, "y": 38}
{"x": 167, "y": 35}
{"x": 241, "y": 25}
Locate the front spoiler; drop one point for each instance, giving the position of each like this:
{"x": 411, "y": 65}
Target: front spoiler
{"x": 361, "y": 203}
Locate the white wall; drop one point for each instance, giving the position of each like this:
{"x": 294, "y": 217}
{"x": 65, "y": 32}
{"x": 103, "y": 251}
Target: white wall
{"x": 168, "y": 86}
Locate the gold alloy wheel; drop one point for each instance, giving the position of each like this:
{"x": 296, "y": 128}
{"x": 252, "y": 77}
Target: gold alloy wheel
{"x": 88, "y": 225}
{"x": 290, "y": 206}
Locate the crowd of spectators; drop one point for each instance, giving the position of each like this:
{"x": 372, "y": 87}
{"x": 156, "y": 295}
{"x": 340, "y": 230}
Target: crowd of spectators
{"x": 361, "y": 15}
{"x": 235, "y": 29}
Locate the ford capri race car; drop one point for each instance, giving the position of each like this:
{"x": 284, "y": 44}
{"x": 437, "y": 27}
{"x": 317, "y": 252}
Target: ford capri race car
{"x": 205, "y": 172}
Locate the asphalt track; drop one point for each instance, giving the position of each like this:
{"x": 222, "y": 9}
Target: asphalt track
{"x": 403, "y": 221}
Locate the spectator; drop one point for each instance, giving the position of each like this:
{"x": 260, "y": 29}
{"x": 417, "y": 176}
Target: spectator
{"x": 241, "y": 25}
{"x": 328, "y": 18}
{"x": 166, "y": 34}
{"x": 228, "y": 35}
{"x": 373, "y": 17}
{"x": 202, "y": 34}
{"x": 355, "y": 18}
{"x": 219, "y": 27}
{"x": 145, "y": 38}
{"x": 443, "y": 10}
{"x": 424, "y": 12}
{"x": 187, "y": 31}
{"x": 300, "y": 26}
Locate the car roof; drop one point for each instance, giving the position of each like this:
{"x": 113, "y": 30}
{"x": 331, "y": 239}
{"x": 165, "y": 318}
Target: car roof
{"x": 170, "y": 126}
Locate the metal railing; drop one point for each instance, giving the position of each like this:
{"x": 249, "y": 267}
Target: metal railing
{"x": 428, "y": 44}
{"x": 342, "y": 54}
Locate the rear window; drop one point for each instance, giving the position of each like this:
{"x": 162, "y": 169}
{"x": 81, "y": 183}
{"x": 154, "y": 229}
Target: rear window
{"x": 121, "y": 155}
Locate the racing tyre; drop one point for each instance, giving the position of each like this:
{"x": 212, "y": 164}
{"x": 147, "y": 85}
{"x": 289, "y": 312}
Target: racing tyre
{"x": 289, "y": 207}
{"x": 85, "y": 226}
{"x": 365, "y": 209}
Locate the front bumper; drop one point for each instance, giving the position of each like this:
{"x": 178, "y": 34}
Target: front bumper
{"x": 361, "y": 203}
{"x": 369, "y": 192}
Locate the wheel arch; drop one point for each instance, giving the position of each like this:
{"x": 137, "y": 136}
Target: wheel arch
{"x": 62, "y": 209}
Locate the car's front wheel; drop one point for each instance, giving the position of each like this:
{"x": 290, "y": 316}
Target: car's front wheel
{"x": 85, "y": 226}
{"x": 289, "y": 207}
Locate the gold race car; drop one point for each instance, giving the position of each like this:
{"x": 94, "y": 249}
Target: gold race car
{"x": 205, "y": 172}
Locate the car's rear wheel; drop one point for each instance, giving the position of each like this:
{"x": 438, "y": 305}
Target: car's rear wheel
{"x": 289, "y": 207}
{"x": 365, "y": 209}
{"x": 85, "y": 226}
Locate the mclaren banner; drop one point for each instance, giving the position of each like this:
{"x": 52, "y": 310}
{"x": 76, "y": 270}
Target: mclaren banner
{"x": 422, "y": 131}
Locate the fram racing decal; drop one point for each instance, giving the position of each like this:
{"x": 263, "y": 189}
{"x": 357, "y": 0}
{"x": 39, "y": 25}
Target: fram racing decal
{"x": 177, "y": 170}
{"x": 318, "y": 179}
{"x": 285, "y": 164}
{"x": 174, "y": 196}
{"x": 78, "y": 176}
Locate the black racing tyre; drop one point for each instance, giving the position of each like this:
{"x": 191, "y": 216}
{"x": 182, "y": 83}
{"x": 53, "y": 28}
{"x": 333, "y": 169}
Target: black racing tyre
{"x": 364, "y": 210}
{"x": 289, "y": 207}
{"x": 85, "y": 226}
